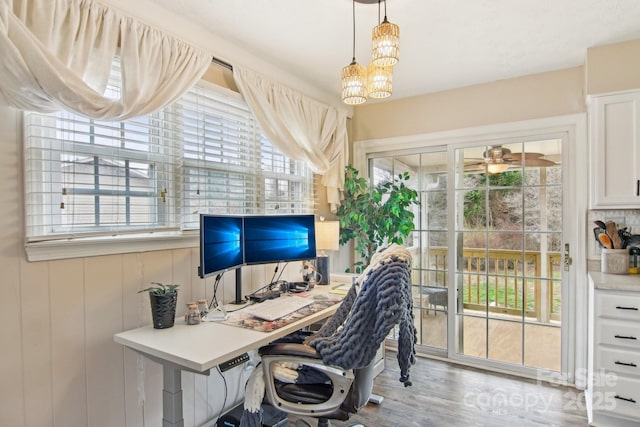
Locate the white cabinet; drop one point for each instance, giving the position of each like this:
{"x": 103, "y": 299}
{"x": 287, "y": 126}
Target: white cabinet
{"x": 614, "y": 155}
{"x": 613, "y": 391}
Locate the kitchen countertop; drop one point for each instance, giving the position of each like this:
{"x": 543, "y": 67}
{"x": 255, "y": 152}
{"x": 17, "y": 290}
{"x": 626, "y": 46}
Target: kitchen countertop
{"x": 619, "y": 282}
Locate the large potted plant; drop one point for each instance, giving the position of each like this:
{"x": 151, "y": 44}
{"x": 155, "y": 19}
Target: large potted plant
{"x": 163, "y": 299}
{"x": 372, "y": 216}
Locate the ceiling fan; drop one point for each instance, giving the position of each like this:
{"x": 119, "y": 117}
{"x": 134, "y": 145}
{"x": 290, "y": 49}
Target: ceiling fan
{"x": 497, "y": 159}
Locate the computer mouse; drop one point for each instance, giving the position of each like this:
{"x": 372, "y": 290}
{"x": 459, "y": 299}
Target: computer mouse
{"x": 320, "y": 296}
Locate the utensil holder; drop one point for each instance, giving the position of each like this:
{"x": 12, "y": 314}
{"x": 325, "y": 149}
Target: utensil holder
{"x": 614, "y": 261}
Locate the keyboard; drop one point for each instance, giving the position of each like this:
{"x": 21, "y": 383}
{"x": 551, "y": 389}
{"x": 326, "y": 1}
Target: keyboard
{"x": 274, "y": 309}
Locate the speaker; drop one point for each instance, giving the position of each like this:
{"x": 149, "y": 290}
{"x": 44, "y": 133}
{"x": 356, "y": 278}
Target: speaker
{"x": 322, "y": 265}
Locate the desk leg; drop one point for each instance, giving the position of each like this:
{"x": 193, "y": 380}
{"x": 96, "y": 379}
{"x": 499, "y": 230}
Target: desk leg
{"x": 172, "y": 397}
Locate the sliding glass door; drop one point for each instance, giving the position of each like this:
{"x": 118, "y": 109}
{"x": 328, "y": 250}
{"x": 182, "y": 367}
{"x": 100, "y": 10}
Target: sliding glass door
{"x": 487, "y": 276}
{"x": 507, "y": 234}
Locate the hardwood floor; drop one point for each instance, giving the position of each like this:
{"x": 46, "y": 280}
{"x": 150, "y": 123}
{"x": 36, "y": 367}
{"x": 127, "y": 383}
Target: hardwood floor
{"x": 444, "y": 394}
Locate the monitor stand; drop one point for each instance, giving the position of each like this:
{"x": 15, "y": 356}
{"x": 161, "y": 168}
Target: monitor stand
{"x": 239, "y": 300}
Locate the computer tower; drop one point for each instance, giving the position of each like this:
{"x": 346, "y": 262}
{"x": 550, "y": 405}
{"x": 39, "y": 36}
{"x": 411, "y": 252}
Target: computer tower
{"x": 271, "y": 417}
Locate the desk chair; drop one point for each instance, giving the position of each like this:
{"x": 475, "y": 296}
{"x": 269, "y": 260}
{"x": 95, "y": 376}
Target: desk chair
{"x": 330, "y": 374}
{"x": 334, "y": 393}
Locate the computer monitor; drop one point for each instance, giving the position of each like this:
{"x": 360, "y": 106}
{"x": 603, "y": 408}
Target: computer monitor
{"x": 221, "y": 247}
{"x": 279, "y": 238}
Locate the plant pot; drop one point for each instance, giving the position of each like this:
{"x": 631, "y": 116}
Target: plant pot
{"x": 163, "y": 309}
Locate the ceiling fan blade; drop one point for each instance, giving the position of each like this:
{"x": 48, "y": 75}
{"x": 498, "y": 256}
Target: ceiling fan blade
{"x": 474, "y": 164}
{"x": 518, "y": 156}
{"x": 475, "y": 167}
{"x": 535, "y": 162}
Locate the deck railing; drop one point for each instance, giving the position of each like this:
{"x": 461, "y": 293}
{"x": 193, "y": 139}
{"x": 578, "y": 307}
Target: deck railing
{"x": 502, "y": 281}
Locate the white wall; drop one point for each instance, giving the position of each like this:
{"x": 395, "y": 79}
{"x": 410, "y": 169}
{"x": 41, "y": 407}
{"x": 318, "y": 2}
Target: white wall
{"x": 60, "y": 366}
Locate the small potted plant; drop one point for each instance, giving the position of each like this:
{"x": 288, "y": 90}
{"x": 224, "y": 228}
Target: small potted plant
{"x": 164, "y": 299}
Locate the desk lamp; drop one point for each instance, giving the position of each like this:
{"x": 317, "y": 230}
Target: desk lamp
{"x": 327, "y": 239}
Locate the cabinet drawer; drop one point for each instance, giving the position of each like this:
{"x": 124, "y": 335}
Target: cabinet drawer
{"x": 618, "y": 333}
{"x": 618, "y": 306}
{"x": 620, "y": 396}
{"x": 618, "y": 361}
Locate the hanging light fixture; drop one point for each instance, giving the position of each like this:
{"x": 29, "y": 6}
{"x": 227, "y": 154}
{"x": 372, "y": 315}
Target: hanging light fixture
{"x": 379, "y": 77}
{"x": 354, "y": 75}
{"x": 386, "y": 42}
{"x": 379, "y": 81}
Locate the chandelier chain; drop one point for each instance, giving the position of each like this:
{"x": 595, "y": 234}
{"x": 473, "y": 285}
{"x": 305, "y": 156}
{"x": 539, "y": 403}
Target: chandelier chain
{"x": 354, "y": 29}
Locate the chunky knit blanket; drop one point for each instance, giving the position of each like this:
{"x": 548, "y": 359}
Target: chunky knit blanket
{"x": 379, "y": 300}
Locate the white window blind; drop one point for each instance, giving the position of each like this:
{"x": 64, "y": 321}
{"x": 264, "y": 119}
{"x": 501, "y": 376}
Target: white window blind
{"x": 203, "y": 154}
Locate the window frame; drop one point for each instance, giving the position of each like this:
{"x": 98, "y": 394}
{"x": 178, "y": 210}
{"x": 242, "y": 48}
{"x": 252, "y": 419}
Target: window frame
{"x": 139, "y": 240}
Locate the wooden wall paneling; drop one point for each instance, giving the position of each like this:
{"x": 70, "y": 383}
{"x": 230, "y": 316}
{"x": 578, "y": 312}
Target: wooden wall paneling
{"x": 227, "y": 287}
{"x": 201, "y": 392}
{"x": 230, "y": 392}
{"x": 156, "y": 267}
{"x": 12, "y": 409}
{"x": 186, "y": 271}
{"x": 104, "y": 314}
{"x": 136, "y": 313}
{"x": 221, "y": 392}
{"x": 181, "y": 273}
{"x": 187, "y": 277}
{"x": 68, "y": 363}
{"x": 257, "y": 277}
{"x": 194, "y": 386}
{"x": 36, "y": 343}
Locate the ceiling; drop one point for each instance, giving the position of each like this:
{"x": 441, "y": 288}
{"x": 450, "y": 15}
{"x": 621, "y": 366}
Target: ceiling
{"x": 444, "y": 44}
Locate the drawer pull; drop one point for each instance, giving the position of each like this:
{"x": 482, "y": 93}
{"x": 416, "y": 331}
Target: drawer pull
{"x": 624, "y": 337}
{"x": 621, "y": 307}
{"x": 633, "y": 365}
{"x": 626, "y": 399}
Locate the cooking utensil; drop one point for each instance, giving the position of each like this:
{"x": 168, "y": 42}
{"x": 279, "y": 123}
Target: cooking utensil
{"x": 625, "y": 237}
{"x": 612, "y": 232}
{"x": 596, "y": 232}
{"x": 605, "y": 240}
{"x": 600, "y": 224}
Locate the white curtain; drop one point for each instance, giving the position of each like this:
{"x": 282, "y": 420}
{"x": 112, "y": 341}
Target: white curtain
{"x": 302, "y": 128}
{"x": 57, "y": 54}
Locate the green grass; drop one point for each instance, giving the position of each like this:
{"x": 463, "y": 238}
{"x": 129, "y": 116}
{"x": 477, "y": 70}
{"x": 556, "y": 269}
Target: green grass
{"x": 495, "y": 291}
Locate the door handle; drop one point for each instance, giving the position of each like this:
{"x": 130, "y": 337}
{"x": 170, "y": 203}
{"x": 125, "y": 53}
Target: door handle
{"x": 621, "y": 307}
{"x": 626, "y": 399}
{"x": 625, "y": 337}
{"x": 567, "y": 257}
{"x": 633, "y": 365}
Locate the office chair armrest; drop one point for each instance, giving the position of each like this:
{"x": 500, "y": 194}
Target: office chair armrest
{"x": 341, "y": 380}
{"x": 290, "y": 349}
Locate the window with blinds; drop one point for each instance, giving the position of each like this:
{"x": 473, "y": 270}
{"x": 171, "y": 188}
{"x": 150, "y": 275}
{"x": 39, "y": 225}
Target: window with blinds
{"x": 203, "y": 154}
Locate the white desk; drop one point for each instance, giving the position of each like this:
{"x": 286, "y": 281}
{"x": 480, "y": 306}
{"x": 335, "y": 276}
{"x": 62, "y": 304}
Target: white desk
{"x": 198, "y": 348}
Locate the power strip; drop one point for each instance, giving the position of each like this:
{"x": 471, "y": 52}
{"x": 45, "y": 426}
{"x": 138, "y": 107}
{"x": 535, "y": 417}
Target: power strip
{"x": 232, "y": 363}
{"x": 263, "y": 296}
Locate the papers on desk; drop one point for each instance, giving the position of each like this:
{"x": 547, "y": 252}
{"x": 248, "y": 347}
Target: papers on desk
{"x": 278, "y": 308}
{"x": 340, "y": 289}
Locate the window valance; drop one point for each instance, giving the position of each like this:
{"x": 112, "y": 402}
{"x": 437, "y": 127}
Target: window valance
{"x": 58, "y": 55}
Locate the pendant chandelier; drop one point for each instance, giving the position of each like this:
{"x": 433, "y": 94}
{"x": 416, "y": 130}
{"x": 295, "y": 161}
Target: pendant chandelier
{"x": 379, "y": 80}
{"x": 385, "y": 38}
{"x": 374, "y": 81}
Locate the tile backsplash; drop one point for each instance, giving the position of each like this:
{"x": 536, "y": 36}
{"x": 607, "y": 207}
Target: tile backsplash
{"x": 629, "y": 218}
